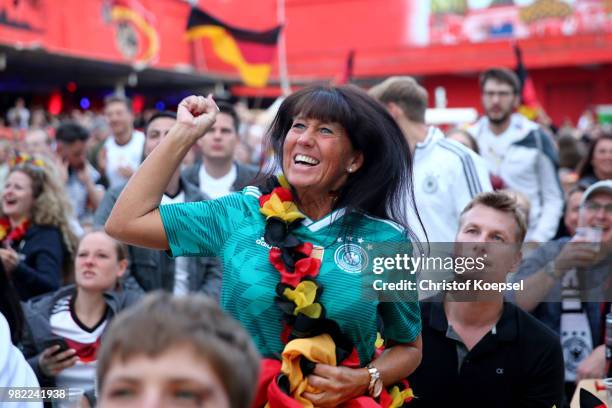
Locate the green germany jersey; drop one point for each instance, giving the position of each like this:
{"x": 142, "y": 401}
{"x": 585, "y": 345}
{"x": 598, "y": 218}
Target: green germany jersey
{"x": 232, "y": 228}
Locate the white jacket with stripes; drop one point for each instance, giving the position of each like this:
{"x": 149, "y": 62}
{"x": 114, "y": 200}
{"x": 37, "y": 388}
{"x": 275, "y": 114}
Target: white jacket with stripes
{"x": 528, "y": 164}
{"x": 446, "y": 176}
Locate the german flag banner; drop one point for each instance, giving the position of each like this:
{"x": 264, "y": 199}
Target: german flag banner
{"x": 530, "y": 106}
{"x": 251, "y": 52}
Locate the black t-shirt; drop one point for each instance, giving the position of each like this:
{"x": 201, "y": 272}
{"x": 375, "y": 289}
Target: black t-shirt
{"x": 520, "y": 364}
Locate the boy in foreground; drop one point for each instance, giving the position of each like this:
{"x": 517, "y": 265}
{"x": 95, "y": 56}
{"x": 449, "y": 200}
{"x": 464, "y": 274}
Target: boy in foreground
{"x": 169, "y": 351}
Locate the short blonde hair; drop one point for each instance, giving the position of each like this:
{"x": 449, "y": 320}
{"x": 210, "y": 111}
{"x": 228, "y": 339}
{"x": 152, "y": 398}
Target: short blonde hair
{"x": 504, "y": 202}
{"x": 405, "y": 92}
{"x": 522, "y": 201}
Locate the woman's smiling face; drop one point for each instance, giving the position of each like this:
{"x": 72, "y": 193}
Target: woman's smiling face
{"x": 17, "y": 197}
{"x": 602, "y": 159}
{"x": 318, "y": 156}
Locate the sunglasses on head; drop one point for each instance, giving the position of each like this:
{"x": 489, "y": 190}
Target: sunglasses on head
{"x": 22, "y": 159}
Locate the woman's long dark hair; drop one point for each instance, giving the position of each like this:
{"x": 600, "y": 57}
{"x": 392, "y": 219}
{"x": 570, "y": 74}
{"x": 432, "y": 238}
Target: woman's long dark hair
{"x": 383, "y": 184}
{"x": 585, "y": 168}
{"x": 10, "y": 307}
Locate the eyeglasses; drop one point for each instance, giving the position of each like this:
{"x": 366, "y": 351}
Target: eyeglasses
{"x": 501, "y": 94}
{"x": 594, "y": 207}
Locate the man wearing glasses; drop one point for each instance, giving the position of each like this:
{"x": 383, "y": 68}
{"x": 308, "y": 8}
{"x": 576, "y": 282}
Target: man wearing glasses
{"x": 519, "y": 152}
{"x": 568, "y": 285}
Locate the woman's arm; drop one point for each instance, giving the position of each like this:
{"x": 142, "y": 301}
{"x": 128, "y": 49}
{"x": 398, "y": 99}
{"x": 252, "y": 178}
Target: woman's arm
{"x": 135, "y": 217}
{"x": 340, "y": 384}
{"x": 399, "y": 361}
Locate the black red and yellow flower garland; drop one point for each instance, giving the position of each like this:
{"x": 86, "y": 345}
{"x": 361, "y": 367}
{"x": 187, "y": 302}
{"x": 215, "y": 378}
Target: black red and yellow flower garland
{"x": 298, "y": 294}
{"x": 298, "y": 291}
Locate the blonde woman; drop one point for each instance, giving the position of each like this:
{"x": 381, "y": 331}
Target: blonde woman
{"x": 37, "y": 243}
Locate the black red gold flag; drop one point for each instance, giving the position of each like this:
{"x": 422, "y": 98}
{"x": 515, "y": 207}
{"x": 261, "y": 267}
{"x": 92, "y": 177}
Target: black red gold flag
{"x": 530, "y": 106}
{"x": 588, "y": 400}
{"x": 251, "y": 52}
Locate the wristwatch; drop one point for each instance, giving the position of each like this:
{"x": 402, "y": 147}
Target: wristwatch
{"x": 376, "y": 385}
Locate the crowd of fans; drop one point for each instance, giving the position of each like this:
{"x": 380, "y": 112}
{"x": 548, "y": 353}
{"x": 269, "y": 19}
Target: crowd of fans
{"x": 64, "y": 283}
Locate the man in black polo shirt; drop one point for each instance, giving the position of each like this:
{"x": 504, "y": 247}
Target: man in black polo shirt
{"x": 480, "y": 351}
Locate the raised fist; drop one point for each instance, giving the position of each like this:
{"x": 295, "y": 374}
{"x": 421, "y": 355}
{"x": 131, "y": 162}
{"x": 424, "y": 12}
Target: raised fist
{"x": 196, "y": 114}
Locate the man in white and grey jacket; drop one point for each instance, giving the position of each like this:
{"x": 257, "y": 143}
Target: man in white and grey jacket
{"x": 446, "y": 174}
{"x": 519, "y": 151}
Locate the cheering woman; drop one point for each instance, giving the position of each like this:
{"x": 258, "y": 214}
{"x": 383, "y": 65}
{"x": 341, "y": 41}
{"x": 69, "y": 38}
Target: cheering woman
{"x": 37, "y": 242}
{"x": 293, "y": 248}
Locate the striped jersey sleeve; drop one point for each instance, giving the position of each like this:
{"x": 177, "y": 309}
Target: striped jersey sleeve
{"x": 201, "y": 228}
{"x": 472, "y": 180}
{"x": 475, "y": 173}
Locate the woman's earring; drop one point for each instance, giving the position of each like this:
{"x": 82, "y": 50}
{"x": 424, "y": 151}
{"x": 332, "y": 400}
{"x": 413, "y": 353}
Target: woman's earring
{"x": 350, "y": 169}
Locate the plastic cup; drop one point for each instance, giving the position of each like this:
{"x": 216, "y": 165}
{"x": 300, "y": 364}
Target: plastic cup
{"x": 607, "y": 382}
{"x": 591, "y": 235}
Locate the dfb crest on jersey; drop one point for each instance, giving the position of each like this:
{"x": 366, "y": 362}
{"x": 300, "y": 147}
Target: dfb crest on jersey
{"x": 351, "y": 258}
{"x": 430, "y": 184}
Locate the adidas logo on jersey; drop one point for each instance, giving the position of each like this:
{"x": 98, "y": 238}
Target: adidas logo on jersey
{"x": 262, "y": 242}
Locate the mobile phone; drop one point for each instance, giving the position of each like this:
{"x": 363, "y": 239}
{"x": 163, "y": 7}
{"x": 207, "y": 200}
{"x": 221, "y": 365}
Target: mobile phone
{"x": 63, "y": 346}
